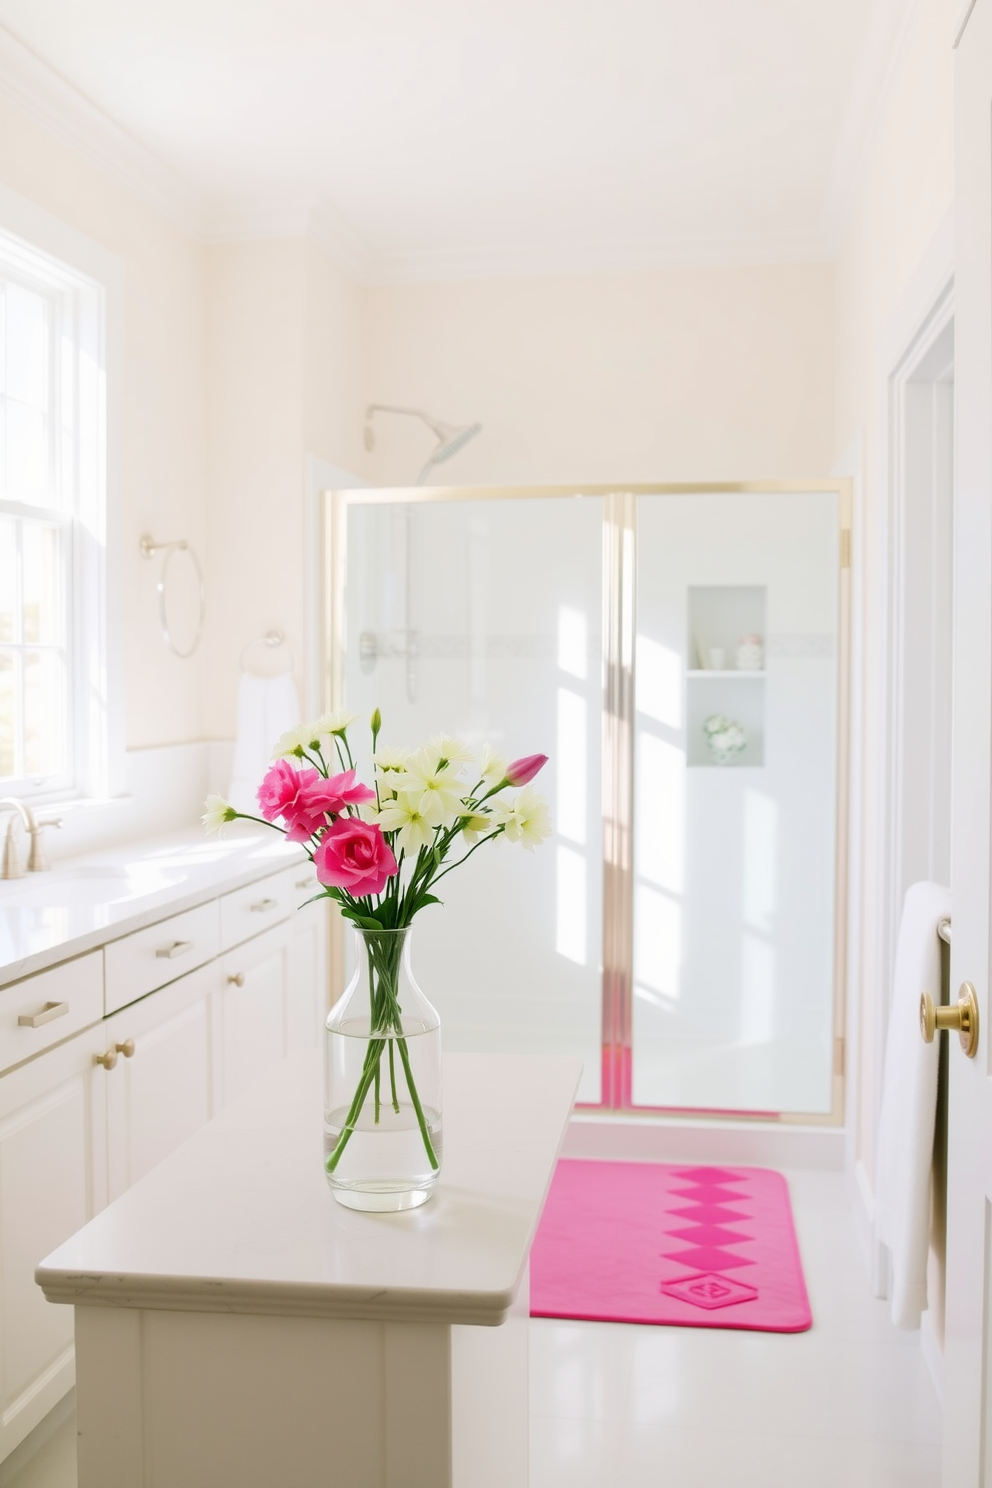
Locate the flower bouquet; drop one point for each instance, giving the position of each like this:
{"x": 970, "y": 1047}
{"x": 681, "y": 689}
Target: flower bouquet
{"x": 379, "y": 852}
{"x": 725, "y": 739}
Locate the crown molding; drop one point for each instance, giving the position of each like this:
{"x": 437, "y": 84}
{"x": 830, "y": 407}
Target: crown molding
{"x": 47, "y": 98}
{"x": 543, "y": 260}
{"x": 299, "y": 217}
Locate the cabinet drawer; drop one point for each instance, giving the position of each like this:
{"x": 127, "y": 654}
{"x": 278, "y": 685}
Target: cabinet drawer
{"x": 48, "y": 1007}
{"x": 249, "y": 911}
{"x": 152, "y": 957}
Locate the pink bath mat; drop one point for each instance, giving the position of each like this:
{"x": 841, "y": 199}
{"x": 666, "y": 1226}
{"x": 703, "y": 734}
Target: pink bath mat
{"x": 661, "y": 1243}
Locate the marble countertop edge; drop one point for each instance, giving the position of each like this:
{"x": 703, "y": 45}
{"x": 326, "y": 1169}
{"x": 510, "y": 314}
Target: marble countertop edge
{"x": 269, "y": 1299}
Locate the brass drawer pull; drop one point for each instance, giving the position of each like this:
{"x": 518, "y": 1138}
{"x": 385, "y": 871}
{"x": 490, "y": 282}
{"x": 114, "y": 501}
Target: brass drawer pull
{"x": 303, "y": 883}
{"x": 237, "y": 979}
{"x": 48, "y": 1014}
{"x": 263, "y": 906}
{"x": 177, "y": 948}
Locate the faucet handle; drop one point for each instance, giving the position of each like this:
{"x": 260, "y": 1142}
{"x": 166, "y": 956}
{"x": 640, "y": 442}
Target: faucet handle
{"x": 37, "y": 862}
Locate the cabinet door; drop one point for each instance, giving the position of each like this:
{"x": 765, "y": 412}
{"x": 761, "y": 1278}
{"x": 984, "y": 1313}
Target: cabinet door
{"x": 52, "y": 1180}
{"x": 164, "y": 1088}
{"x": 306, "y": 998}
{"x": 257, "y": 977}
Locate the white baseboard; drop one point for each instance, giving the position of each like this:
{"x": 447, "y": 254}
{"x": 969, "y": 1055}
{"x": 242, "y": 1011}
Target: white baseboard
{"x": 12, "y": 1465}
{"x": 874, "y": 1253}
{"x": 666, "y": 1139}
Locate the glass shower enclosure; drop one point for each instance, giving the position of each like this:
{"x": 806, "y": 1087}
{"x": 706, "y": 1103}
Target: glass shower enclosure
{"x": 680, "y": 653}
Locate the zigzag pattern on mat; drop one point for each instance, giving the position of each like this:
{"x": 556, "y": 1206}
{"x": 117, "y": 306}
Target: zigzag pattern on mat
{"x": 713, "y": 1202}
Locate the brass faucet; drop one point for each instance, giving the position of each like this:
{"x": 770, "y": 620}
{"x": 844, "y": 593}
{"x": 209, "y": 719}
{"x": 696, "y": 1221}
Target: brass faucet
{"x": 36, "y": 862}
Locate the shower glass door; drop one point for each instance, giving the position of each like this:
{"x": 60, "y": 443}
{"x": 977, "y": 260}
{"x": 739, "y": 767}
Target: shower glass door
{"x": 681, "y": 657}
{"x": 482, "y": 619}
{"x": 735, "y": 801}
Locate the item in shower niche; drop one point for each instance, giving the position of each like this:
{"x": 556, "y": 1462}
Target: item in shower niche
{"x": 750, "y": 654}
{"x": 379, "y": 853}
{"x": 725, "y": 739}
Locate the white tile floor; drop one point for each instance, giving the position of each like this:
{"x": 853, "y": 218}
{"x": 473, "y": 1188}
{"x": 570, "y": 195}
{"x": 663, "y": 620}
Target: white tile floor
{"x": 847, "y": 1405}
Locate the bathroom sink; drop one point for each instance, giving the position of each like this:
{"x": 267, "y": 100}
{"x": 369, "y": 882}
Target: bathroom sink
{"x": 78, "y": 888}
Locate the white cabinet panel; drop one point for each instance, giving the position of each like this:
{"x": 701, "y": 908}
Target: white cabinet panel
{"x": 255, "y": 1014}
{"x": 52, "y": 1180}
{"x": 306, "y": 1002}
{"x": 163, "y": 1087}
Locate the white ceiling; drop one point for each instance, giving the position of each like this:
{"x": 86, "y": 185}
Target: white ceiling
{"x": 437, "y": 137}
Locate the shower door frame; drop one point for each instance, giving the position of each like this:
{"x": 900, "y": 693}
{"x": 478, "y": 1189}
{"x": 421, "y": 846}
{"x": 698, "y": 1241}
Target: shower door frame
{"x": 619, "y": 624}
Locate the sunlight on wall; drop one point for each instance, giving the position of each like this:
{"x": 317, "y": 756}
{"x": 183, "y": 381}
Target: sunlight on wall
{"x": 759, "y": 893}
{"x": 573, "y": 784}
{"x": 570, "y": 928}
{"x": 657, "y": 945}
{"x": 660, "y": 839}
{"x": 659, "y": 682}
{"x": 572, "y": 641}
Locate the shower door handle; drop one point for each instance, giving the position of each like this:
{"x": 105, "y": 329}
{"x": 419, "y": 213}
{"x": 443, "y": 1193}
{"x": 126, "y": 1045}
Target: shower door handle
{"x": 961, "y": 1018}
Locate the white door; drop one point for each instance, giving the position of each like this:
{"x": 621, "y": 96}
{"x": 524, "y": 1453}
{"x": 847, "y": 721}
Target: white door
{"x": 968, "y": 1346}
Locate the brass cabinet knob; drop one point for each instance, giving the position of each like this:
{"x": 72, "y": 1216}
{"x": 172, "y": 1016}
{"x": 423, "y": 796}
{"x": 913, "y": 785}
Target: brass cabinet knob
{"x": 237, "y": 979}
{"x": 961, "y": 1017}
{"x": 126, "y": 1048}
{"x": 108, "y": 1060}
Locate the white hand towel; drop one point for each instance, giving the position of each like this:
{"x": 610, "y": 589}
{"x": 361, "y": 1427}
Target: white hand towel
{"x": 267, "y": 707}
{"x": 909, "y": 1103}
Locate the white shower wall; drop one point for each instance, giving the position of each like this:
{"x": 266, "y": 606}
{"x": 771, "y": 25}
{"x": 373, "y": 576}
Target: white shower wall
{"x": 499, "y": 605}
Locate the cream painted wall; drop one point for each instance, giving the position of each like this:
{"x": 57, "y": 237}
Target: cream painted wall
{"x": 678, "y": 373}
{"x": 904, "y": 194}
{"x": 162, "y": 427}
{"x": 286, "y": 355}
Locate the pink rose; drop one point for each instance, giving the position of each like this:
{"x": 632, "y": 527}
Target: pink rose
{"x": 523, "y": 770}
{"x": 305, "y": 800}
{"x": 354, "y": 855}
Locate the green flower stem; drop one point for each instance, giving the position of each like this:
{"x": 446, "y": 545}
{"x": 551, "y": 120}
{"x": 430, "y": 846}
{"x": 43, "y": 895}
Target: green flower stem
{"x": 372, "y": 1056}
{"x": 392, "y": 1079}
{"x": 422, "y": 1120}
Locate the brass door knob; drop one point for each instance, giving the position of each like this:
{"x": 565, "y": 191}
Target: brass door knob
{"x": 108, "y": 1060}
{"x": 237, "y": 979}
{"x": 126, "y": 1048}
{"x": 961, "y": 1016}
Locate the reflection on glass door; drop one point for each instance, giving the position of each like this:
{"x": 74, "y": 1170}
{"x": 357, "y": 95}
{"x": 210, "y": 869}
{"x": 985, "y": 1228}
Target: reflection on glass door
{"x": 482, "y": 619}
{"x": 735, "y": 801}
{"x": 715, "y": 685}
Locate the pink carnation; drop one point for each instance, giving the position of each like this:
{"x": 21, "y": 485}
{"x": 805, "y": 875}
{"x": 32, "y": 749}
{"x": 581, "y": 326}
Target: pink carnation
{"x": 354, "y": 855}
{"x": 524, "y": 770}
{"x": 305, "y": 800}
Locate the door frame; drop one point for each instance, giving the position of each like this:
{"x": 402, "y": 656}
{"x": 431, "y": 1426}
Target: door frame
{"x": 924, "y": 311}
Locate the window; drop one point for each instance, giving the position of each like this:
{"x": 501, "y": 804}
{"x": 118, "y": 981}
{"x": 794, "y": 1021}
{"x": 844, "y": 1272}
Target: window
{"x": 52, "y": 525}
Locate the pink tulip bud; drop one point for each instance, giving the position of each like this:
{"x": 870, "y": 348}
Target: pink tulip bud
{"x": 524, "y": 770}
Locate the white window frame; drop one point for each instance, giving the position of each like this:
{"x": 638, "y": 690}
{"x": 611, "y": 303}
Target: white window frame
{"x": 85, "y": 284}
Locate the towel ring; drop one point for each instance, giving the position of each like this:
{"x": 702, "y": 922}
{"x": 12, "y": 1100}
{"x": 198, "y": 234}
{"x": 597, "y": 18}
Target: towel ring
{"x": 148, "y": 548}
{"x": 272, "y": 639}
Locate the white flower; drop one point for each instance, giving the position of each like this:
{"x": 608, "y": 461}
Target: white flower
{"x": 437, "y": 792}
{"x": 402, "y": 815}
{"x": 337, "y": 721}
{"x": 526, "y": 819}
{"x": 492, "y": 766}
{"x": 387, "y": 757}
{"x": 217, "y": 813}
{"x": 477, "y": 825}
{"x": 297, "y": 741}
{"x": 444, "y": 747}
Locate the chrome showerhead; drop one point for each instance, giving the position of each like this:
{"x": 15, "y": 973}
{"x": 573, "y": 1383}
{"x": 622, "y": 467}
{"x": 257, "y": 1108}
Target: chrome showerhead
{"x": 451, "y": 437}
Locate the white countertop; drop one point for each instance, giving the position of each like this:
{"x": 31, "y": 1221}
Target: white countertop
{"x": 83, "y": 903}
{"x": 241, "y": 1219}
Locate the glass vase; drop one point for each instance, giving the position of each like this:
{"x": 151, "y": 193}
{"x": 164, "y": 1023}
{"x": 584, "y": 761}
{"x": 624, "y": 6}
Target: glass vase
{"x": 382, "y": 1081}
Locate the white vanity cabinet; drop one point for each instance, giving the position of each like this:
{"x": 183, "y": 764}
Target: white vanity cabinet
{"x": 160, "y": 1049}
{"x": 164, "y": 1084}
{"x": 53, "y": 1178}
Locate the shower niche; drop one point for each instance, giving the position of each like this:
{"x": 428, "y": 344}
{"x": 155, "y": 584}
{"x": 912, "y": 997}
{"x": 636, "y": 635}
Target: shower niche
{"x": 725, "y": 677}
